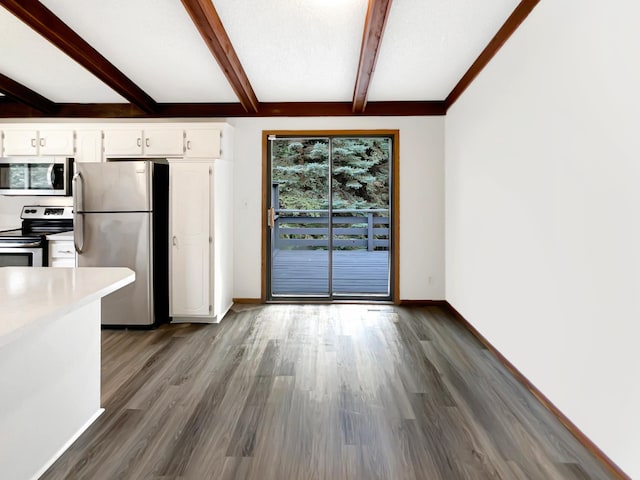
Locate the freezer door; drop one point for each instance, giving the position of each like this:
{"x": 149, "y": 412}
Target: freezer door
{"x": 122, "y": 240}
{"x": 118, "y": 186}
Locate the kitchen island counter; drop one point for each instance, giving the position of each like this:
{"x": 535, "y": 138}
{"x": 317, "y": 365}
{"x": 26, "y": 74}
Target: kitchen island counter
{"x": 49, "y": 361}
{"x": 32, "y": 295}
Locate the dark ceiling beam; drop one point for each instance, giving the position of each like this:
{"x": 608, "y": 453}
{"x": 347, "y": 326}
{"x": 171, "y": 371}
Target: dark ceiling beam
{"x": 208, "y": 23}
{"x": 374, "y": 24}
{"x": 25, "y": 95}
{"x": 43, "y": 21}
{"x": 13, "y": 109}
{"x": 522, "y": 11}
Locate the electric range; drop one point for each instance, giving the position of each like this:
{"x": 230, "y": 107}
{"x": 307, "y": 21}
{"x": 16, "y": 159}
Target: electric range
{"x": 28, "y": 246}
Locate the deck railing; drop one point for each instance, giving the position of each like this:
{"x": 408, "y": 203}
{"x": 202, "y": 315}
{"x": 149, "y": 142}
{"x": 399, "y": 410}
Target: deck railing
{"x": 352, "y": 229}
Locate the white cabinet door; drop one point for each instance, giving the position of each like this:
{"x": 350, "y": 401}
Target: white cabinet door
{"x": 43, "y": 142}
{"x": 89, "y": 146}
{"x": 56, "y": 142}
{"x": 203, "y": 143}
{"x": 164, "y": 142}
{"x": 62, "y": 253}
{"x": 121, "y": 143}
{"x": 190, "y": 231}
{"x": 20, "y": 142}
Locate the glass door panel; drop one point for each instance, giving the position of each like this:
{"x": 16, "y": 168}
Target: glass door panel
{"x": 299, "y": 217}
{"x": 361, "y": 179}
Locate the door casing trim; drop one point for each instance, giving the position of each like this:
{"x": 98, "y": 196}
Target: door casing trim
{"x": 395, "y": 197}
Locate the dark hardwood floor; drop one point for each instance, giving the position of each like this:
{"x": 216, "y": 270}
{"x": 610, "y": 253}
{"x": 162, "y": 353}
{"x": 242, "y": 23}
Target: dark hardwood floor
{"x": 317, "y": 392}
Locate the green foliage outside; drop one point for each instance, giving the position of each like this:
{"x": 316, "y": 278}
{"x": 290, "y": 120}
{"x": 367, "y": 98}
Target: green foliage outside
{"x": 360, "y": 173}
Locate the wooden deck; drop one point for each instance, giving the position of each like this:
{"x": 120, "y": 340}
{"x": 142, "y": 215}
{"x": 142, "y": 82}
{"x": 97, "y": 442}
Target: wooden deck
{"x": 305, "y": 272}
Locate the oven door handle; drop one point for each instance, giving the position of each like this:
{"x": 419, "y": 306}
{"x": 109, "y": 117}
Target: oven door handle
{"x": 78, "y": 216}
{"x": 21, "y": 245}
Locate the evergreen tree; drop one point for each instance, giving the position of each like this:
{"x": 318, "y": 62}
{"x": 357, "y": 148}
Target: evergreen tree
{"x": 360, "y": 173}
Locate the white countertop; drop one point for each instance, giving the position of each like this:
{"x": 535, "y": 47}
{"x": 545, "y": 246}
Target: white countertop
{"x": 61, "y": 236}
{"x": 31, "y": 295}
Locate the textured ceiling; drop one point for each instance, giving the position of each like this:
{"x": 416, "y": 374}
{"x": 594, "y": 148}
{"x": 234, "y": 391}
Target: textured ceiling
{"x": 153, "y": 42}
{"x": 295, "y": 50}
{"x": 29, "y": 59}
{"x": 429, "y": 44}
{"x": 291, "y": 50}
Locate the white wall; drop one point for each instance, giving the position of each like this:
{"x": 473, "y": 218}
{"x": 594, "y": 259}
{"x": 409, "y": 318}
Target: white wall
{"x": 421, "y": 197}
{"x": 11, "y": 207}
{"x": 543, "y": 213}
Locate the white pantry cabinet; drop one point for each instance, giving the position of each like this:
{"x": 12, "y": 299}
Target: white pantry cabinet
{"x": 152, "y": 142}
{"x": 190, "y": 187}
{"x": 38, "y": 142}
{"x": 201, "y": 246}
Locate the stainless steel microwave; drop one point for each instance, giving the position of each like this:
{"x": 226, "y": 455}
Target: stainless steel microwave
{"x": 36, "y": 175}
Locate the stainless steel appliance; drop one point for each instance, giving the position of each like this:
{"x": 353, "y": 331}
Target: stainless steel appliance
{"x": 122, "y": 220}
{"x": 36, "y": 175}
{"x": 27, "y": 246}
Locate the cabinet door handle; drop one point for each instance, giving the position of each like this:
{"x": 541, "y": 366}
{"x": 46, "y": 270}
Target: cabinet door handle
{"x": 33, "y": 142}
{"x": 43, "y": 142}
{"x": 174, "y": 241}
{"x": 146, "y": 142}
{"x": 139, "y": 142}
{"x": 188, "y": 144}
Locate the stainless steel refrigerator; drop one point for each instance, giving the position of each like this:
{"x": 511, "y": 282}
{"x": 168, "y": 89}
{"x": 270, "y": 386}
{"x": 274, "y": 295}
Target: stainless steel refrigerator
{"x": 121, "y": 210}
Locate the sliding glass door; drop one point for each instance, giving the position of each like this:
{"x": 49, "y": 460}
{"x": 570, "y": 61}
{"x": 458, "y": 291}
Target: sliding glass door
{"x": 329, "y": 217}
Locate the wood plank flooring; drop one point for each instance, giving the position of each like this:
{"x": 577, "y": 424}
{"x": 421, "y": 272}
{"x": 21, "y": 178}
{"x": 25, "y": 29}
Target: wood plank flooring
{"x": 317, "y": 392}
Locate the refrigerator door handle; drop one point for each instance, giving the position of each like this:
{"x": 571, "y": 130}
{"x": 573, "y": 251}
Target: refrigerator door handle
{"x": 78, "y": 218}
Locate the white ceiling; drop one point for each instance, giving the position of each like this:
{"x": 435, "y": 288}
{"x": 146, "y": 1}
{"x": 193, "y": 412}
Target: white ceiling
{"x": 428, "y": 45}
{"x": 297, "y": 50}
{"x": 291, "y": 50}
{"x": 153, "y": 42}
{"x": 35, "y": 63}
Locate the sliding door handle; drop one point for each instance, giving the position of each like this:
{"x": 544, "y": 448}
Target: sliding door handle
{"x": 272, "y": 217}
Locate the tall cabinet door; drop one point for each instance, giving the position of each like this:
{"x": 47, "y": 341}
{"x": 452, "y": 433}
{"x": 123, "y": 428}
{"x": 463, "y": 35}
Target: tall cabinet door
{"x": 190, "y": 233}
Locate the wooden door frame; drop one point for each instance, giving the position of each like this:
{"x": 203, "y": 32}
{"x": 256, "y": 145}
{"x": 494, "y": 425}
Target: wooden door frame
{"x": 395, "y": 196}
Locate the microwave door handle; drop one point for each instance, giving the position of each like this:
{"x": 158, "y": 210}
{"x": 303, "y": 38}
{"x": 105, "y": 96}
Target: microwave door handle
{"x": 51, "y": 175}
{"x": 78, "y": 216}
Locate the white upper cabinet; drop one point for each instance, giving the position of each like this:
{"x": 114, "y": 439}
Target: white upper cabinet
{"x": 166, "y": 142}
{"x": 152, "y": 142}
{"x": 20, "y": 142}
{"x": 89, "y": 146}
{"x": 96, "y": 142}
{"x": 38, "y": 142}
{"x": 56, "y": 142}
{"x": 122, "y": 142}
{"x": 202, "y": 143}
